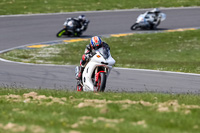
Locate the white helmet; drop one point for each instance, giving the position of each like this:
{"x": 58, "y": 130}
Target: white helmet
{"x": 156, "y": 10}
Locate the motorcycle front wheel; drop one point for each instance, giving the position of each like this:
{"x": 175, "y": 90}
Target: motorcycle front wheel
{"x": 134, "y": 26}
{"x": 101, "y": 84}
{"x": 61, "y": 32}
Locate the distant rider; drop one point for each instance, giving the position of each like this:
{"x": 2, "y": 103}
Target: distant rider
{"x": 95, "y": 44}
{"x": 77, "y": 25}
{"x": 155, "y": 13}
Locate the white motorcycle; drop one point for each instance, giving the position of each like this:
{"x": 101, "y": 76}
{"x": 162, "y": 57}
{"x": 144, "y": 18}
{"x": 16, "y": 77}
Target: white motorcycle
{"x": 96, "y": 71}
{"x": 148, "y": 20}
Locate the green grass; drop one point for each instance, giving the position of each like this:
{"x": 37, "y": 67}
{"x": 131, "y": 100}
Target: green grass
{"x": 177, "y": 51}
{"x": 52, "y": 6}
{"x": 54, "y": 111}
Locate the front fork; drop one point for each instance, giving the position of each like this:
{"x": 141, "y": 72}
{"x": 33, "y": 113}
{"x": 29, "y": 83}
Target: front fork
{"x": 97, "y": 74}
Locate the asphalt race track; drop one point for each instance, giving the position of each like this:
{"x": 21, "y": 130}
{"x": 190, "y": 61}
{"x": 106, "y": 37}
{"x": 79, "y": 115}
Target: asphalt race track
{"x": 23, "y": 30}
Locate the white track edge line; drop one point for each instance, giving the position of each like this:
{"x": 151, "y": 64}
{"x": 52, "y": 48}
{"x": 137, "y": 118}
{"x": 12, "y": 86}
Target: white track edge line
{"x": 158, "y": 71}
{"x": 119, "y": 68}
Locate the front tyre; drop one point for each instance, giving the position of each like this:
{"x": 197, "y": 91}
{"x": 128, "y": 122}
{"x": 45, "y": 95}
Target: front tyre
{"x": 101, "y": 84}
{"x": 61, "y": 33}
{"x": 134, "y": 26}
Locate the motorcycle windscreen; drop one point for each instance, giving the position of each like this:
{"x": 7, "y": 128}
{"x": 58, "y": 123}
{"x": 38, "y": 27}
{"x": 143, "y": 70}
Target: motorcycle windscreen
{"x": 105, "y": 52}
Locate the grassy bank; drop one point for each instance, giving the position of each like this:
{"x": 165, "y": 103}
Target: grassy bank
{"x": 177, "y": 51}
{"x": 49, "y": 111}
{"x": 52, "y": 6}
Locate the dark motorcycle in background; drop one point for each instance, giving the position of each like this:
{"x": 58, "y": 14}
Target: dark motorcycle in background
{"x": 71, "y": 28}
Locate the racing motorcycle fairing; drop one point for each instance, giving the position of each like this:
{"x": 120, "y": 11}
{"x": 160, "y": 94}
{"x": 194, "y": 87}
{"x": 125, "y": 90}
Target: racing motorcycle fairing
{"x": 101, "y": 62}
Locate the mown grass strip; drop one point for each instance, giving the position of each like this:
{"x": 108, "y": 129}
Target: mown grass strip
{"x": 173, "y": 51}
{"x": 52, "y": 6}
{"x": 50, "y": 111}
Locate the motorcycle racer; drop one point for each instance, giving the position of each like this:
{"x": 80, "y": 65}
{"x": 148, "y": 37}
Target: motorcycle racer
{"x": 156, "y": 17}
{"x": 81, "y": 24}
{"x": 149, "y": 20}
{"x": 95, "y": 43}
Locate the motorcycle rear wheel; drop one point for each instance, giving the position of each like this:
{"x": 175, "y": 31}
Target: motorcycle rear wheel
{"x": 101, "y": 84}
{"x": 61, "y": 32}
{"x": 134, "y": 26}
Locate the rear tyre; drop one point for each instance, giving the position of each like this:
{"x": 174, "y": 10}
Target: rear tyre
{"x": 101, "y": 84}
{"x": 134, "y": 26}
{"x": 61, "y": 33}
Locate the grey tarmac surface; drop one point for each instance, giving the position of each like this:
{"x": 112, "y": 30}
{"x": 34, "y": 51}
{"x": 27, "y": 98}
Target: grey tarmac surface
{"x": 22, "y": 30}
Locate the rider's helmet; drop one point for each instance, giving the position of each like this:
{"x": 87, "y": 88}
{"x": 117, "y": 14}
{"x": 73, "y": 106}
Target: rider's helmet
{"x": 95, "y": 42}
{"x": 81, "y": 18}
{"x": 155, "y": 10}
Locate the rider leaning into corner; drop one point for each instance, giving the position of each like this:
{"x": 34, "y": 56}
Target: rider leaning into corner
{"x": 81, "y": 23}
{"x": 95, "y": 44}
{"x": 155, "y": 14}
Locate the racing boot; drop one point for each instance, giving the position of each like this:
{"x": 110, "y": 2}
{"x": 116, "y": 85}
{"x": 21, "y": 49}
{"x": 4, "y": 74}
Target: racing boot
{"x": 80, "y": 73}
{"x": 79, "y": 87}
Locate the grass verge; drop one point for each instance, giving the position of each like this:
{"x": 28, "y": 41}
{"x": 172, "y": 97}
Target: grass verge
{"x": 52, "y": 6}
{"x": 28, "y": 110}
{"x": 177, "y": 51}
